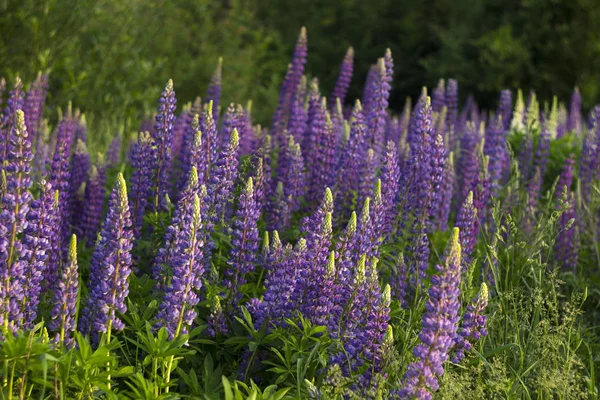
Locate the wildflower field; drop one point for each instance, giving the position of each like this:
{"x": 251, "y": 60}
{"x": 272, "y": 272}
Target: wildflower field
{"x": 345, "y": 251}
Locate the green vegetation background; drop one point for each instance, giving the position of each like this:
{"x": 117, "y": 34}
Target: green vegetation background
{"x": 111, "y": 57}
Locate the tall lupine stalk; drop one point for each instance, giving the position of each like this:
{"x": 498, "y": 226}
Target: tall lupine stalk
{"x": 230, "y": 121}
{"x": 176, "y": 312}
{"x": 143, "y": 160}
{"x": 452, "y": 113}
{"x": 574, "y": 121}
{"x": 376, "y": 115}
{"x": 113, "y": 154}
{"x": 163, "y": 139}
{"x": 368, "y": 173}
{"x": 167, "y": 254}
{"x": 518, "y": 116}
{"x": 505, "y": 108}
{"x": 390, "y": 184}
{"x": 15, "y": 207}
{"x": 38, "y": 239}
{"x": 210, "y": 140}
{"x": 566, "y": 247}
{"x": 369, "y": 88}
{"x": 446, "y": 194}
{"x": 81, "y": 130}
{"x": 350, "y": 161}
{"x": 468, "y": 161}
{"x": 589, "y": 163}
{"x": 324, "y": 168}
{"x": 289, "y": 87}
{"x": 284, "y": 265}
{"x": 314, "y": 132}
{"x": 298, "y": 114}
{"x": 80, "y": 166}
{"x": 110, "y": 268}
{"x": 438, "y": 97}
{"x": 244, "y": 243}
{"x": 542, "y": 150}
{"x": 294, "y": 180}
{"x": 62, "y": 316}
{"x": 180, "y": 129}
{"x": 94, "y": 203}
{"x": 495, "y": 148}
{"x": 16, "y": 99}
{"x": 473, "y": 326}
{"x": 343, "y": 81}
{"x": 440, "y": 324}
{"x": 213, "y": 94}
{"x": 318, "y": 234}
{"x": 438, "y": 178}
{"x": 466, "y": 222}
{"x": 193, "y": 155}
{"x": 34, "y": 106}
{"x": 220, "y": 188}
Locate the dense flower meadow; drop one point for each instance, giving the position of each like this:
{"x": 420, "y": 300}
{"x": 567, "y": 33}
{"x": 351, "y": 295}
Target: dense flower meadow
{"x": 344, "y": 252}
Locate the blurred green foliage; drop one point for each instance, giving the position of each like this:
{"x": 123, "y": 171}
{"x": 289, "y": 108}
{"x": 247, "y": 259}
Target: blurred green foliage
{"x": 112, "y": 57}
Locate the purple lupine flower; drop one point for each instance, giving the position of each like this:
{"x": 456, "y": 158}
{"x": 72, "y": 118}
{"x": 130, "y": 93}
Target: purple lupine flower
{"x": 194, "y": 155}
{"x": 210, "y": 140}
{"x": 222, "y": 180}
{"x": 16, "y": 99}
{"x": 344, "y": 78}
{"x": 289, "y": 87}
{"x": 534, "y": 187}
{"x": 80, "y": 166}
{"x": 217, "y": 320}
{"x": 438, "y": 97}
{"x": 298, "y": 114}
{"x": 180, "y": 128}
{"x": 167, "y": 254}
{"x": 574, "y": 121}
{"x": 466, "y": 222}
{"x": 318, "y": 234}
{"x": 244, "y": 242}
{"x": 390, "y": 183}
{"x": 473, "y": 326}
{"x": 294, "y": 180}
{"x": 60, "y": 177}
{"x": 316, "y": 129}
{"x": 230, "y": 121}
{"x": 495, "y": 148}
{"x": 111, "y": 262}
{"x": 38, "y": 239}
{"x": 281, "y": 282}
{"x": 505, "y": 108}
{"x": 177, "y": 312}
{"x": 113, "y": 154}
{"x": 66, "y": 131}
{"x": 376, "y": 115}
{"x": 542, "y": 150}
{"x": 526, "y": 156}
{"x": 62, "y": 316}
{"x": 566, "y": 248}
{"x": 13, "y": 220}
{"x": 324, "y": 168}
{"x": 482, "y": 192}
{"x": 42, "y": 150}
{"x": 366, "y": 180}
{"x": 94, "y": 203}
{"x": 143, "y": 160}
{"x": 163, "y": 139}
{"x": 259, "y": 182}
{"x": 351, "y": 159}
{"x": 445, "y": 199}
{"x": 468, "y": 163}
{"x": 438, "y": 169}
{"x": 440, "y": 324}
{"x": 214, "y": 90}
{"x": 34, "y": 106}
{"x": 342, "y": 284}
{"x": 565, "y": 180}
{"x": 398, "y": 280}
{"x": 589, "y": 163}
{"x": 366, "y": 234}
{"x": 279, "y": 209}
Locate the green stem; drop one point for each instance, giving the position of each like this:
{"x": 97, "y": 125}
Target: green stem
{"x": 172, "y": 358}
